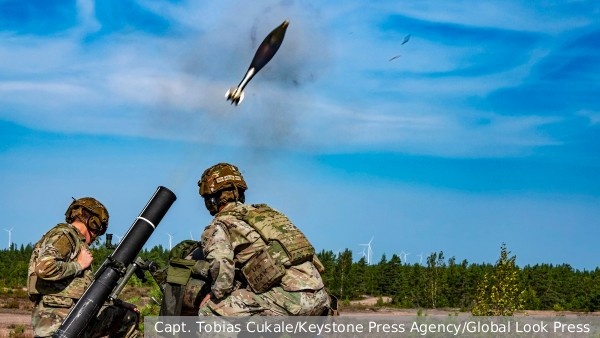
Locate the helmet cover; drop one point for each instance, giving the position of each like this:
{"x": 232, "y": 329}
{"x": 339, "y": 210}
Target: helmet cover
{"x": 221, "y": 176}
{"x": 98, "y": 220}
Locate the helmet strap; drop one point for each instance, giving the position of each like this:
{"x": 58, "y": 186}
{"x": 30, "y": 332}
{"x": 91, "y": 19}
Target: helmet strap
{"x": 236, "y": 195}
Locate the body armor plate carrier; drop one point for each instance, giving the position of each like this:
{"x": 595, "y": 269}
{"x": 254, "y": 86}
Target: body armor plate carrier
{"x": 286, "y": 246}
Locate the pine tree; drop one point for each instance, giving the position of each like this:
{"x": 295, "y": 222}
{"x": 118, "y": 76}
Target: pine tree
{"x": 359, "y": 273}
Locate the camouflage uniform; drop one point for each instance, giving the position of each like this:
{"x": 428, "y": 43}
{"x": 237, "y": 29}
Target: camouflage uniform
{"x": 228, "y": 243}
{"x": 56, "y": 281}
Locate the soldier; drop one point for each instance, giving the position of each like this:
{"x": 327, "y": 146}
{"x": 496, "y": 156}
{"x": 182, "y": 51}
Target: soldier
{"x": 260, "y": 263}
{"x": 60, "y": 271}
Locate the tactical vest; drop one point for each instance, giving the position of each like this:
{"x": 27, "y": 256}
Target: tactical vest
{"x": 70, "y": 287}
{"x": 286, "y": 245}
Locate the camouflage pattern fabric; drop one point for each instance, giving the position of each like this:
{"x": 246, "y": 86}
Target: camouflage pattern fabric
{"x": 292, "y": 246}
{"x": 56, "y": 282}
{"x": 228, "y": 243}
{"x": 275, "y": 302}
{"x": 53, "y": 269}
{"x": 219, "y": 177}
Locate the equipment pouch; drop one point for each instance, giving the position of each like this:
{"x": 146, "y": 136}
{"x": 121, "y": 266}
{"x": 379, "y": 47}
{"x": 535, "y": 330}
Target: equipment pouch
{"x": 201, "y": 269}
{"x": 178, "y": 275}
{"x": 57, "y": 301}
{"x": 262, "y": 271}
{"x": 193, "y": 293}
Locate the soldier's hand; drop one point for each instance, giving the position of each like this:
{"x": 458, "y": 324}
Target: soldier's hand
{"x": 130, "y": 306}
{"x": 84, "y": 258}
{"x": 205, "y": 300}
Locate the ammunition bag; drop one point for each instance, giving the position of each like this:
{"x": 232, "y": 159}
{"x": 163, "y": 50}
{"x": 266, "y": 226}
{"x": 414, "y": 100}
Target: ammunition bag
{"x": 262, "y": 271}
{"x": 179, "y": 273}
{"x": 183, "y": 300}
{"x": 184, "y": 280}
{"x": 183, "y": 259}
{"x": 193, "y": 293}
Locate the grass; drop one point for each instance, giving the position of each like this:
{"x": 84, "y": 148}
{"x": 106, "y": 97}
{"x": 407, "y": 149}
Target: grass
{"x": 17, "y": 331}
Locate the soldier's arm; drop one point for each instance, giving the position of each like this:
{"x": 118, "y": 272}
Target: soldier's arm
{"x": 53, "y": 262}
{"x": 219, "y": 253}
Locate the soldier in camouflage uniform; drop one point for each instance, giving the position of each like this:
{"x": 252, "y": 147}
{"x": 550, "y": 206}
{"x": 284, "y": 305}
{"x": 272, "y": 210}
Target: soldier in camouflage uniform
{"x": 60, "y": 271}
{"x": 260, "y": 263}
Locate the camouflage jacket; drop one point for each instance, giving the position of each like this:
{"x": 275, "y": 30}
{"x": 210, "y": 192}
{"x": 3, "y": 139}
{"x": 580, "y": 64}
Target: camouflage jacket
{"x": 53, "y": 269}
{"x": 228, "y": 243}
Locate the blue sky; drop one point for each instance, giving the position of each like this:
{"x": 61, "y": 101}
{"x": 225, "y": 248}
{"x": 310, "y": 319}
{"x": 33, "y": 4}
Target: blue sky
{"x": 483, "y": 129}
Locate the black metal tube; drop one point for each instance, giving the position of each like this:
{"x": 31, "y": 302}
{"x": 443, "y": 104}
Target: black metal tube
{"x": 112, "y": 269}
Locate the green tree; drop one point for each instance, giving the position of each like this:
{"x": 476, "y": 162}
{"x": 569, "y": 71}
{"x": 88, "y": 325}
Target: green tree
{"x": 394, "y": 273}
{"x": 498, "y": 294}
{"x": 380, "y": 282}
{"x": 416, "y": 281}
{"x": 435, "y": 277}
{"x": 457, "y": 282}
{"x": 328, "y": 259}
{"x": 343, "y": 278}
{"x": 359, "y": 275}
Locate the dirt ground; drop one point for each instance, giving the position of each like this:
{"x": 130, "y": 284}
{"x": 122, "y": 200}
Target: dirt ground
{"x": 16, "y": 322}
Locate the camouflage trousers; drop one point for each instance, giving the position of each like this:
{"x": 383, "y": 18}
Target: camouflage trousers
{"x": 275, "y": 302}
{"x": 112, "y": 320}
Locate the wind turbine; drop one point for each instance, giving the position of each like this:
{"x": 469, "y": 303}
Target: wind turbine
{"x": 420, "y": 258}
{"x": 191, "y": 237}
{"x": 9, "y": 237}
{"x": 364, "y": 254}
{"x": 118, "y": 237}
{"x": 170, "y": 240}
{"x": 369, "y": 251}
{"x": 402, "y": 253}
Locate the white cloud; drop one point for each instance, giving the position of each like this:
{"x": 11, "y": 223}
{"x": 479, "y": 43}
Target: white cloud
{"x": 322, "y": 92}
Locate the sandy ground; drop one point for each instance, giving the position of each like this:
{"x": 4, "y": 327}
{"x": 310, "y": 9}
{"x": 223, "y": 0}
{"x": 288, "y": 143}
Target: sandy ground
{"x": 13, "y": 321}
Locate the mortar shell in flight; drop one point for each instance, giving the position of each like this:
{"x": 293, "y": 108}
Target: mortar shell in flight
{"x": 263, "y": 55}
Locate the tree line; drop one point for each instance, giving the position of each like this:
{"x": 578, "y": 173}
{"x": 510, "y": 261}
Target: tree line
{"x": 438, "y": 283}
{"x": 447, "y": 283}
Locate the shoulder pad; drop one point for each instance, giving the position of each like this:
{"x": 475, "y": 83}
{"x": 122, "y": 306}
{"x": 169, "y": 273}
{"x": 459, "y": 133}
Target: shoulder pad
{"x": 63, "y": 245}
{"x": 65, "y": 238}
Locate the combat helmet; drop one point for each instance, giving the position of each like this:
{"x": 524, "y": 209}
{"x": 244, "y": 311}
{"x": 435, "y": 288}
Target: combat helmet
{"x": 221, "y": 176}
{"x": 98, "y": 220}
